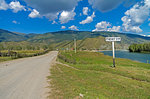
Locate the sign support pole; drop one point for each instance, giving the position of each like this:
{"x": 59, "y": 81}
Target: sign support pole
{"x": 113, "y": 49}
{"x": 113, "y": 40}
{"x": 75, "y": 46}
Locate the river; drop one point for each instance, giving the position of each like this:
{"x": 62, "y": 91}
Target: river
{"x": 141, "y": 57}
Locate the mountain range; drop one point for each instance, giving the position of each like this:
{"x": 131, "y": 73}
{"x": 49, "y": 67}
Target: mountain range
{"x": 85, "y": 39}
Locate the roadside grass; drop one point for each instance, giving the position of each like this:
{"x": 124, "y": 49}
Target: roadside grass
{"x": 24, "y": 51}
{"x": 90, "y": 76}
{"x": 5, "y": 59}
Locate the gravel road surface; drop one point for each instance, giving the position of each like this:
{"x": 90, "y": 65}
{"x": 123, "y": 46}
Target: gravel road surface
{"x": 26, "y": 78}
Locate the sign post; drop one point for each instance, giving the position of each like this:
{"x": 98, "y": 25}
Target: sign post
{"x": 75, "y": 46}
{"x": 113, "y": 40}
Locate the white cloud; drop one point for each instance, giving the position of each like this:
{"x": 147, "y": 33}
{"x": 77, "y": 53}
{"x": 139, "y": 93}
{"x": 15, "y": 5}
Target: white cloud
{"x": 66, "y": 16}
{"x": 143, "y": 35}
{"x": 73, "y": 27}
{"x": 80, "y": 14}
{"x": 34, "y": 14}
{"x": 106, "y": 26}
{"x": 102, "y": 26}
{"x": 15, "y": 22}
{"x": 114, "y": 29}
{"x": 63, "y": 27}
{"x": 85, "y": 10}
{"x": 54, "y": 22}
{"x": 51, "y": 8}
{"x": 16, "y": 6}
{"x": 3, "y": 5}
{"x": 136, "y": 16}
{"x": 89, "y": 19}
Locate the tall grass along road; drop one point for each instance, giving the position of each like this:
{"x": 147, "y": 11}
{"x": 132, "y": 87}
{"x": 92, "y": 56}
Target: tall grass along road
{"x": 25, "y": 78}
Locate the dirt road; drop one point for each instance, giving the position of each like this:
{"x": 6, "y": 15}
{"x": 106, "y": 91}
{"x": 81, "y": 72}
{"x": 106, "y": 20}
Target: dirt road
{"x": 25, "y": 78}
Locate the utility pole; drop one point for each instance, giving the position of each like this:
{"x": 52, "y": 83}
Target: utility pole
{"x": 75, "y": 46}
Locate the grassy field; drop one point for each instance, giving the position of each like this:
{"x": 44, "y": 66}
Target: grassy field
{"x": 21, "y": 54}
{"x": 90, "y": 75}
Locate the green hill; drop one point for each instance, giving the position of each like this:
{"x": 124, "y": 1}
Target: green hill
{"x": 10, "y": 36}
{"x": 85, "y": 39}
{"x": 99, "y": 43}
{"x": 60, "y": 36}
{"x": 70, "y": 35}
{"x": 6, "y": 36}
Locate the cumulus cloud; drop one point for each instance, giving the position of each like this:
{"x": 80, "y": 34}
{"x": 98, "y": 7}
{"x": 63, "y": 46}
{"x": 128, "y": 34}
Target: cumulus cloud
{"x": 129, "y": 3}
{"x": 136, "y": 16}
{"x": 51, "y": 8}
{"x": 54, "y": 22}
{"x": 15, "y": 22}
{"x": 3, "y": 5}
{"x": 63, "y": 27}
{"x": 51, "y": 16}
{"x": 89, "y": 19}
{"x": 107, "y": 5}
{"x": 80, "y": 14}
{"x": 66, "y": 16}
{"x": 106, "y": 26}
{"x": 73, "y": 27}
{"x": 85, "y": 10}
{"x": 114, "y": 29}
{"x": 16, "y": 6}
{"x": 102, "y": 26}
{"x": 34, "y": 14}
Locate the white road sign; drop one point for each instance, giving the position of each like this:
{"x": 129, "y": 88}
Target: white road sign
{"x": 112, "y": 39}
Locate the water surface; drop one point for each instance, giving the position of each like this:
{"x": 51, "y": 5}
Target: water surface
{"x": 141, "y": 57}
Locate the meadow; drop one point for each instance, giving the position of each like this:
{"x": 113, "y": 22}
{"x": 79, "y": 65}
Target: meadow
{"x": 90, "y": 75}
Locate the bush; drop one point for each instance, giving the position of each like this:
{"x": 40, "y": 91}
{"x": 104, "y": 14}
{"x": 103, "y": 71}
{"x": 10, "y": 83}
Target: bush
{"x": 140, "y": 47}
{"x": 22, "y": 54}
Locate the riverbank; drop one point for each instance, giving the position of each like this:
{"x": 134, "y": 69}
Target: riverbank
{"x": 89, "y": 75}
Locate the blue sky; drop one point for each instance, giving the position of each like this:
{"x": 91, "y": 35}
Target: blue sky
{"x": 36, "y": 16}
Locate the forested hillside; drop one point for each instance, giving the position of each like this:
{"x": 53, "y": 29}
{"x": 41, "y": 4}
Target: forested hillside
{"x": 64, "y": 39}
